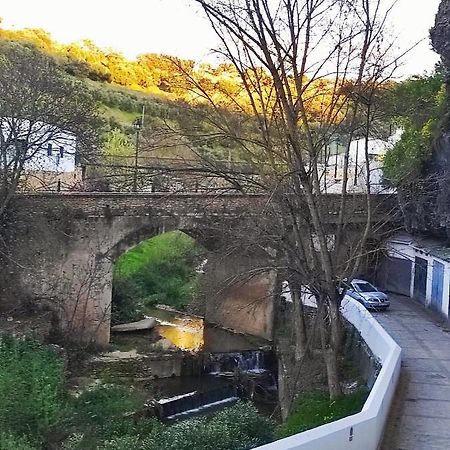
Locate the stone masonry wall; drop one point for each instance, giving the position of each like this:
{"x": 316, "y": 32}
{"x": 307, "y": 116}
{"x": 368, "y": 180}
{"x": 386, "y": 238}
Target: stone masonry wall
{"x": 61, "y": 247}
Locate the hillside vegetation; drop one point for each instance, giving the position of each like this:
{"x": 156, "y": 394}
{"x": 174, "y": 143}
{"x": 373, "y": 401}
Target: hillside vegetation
{"x": 177, "y": 96}
{"x": 38, "y": 411}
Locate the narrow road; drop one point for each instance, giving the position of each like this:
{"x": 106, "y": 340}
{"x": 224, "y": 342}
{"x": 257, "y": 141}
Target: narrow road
{"x": 420, "y": 417}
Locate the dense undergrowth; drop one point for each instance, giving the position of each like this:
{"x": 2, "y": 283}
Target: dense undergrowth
{"x": 160, "y": 270}
{"x": 37, "y": 411}
{"x": 316, "y": 408}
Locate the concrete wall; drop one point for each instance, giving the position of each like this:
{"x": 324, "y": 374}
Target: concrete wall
{"x": 362, "y": 431}
{"x": 236, "y": 295}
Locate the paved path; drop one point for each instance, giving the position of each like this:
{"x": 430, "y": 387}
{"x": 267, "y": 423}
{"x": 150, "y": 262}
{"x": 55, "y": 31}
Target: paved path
{"x": 420, "y": 418}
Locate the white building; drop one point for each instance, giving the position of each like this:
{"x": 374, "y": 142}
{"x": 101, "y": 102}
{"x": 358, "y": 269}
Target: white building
{"x": 357, "y": 170}
{"x": 49, "y": 153}
{"x": 420, "y": 269}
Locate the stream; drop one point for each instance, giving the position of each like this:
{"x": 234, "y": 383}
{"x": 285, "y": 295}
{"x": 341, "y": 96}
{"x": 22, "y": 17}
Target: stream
{"x": 189, "y": 367}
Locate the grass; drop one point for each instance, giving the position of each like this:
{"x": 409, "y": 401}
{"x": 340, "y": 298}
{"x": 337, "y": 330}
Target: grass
{"x": 37, "y": 412}
{"x": 124, "y": 118}
{"x": 32, "y": 392}
{"x": 315, "y": 409}
{"x": 159, "y": 270}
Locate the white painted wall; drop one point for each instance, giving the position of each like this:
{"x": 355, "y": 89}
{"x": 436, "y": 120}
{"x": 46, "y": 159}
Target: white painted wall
{"x": 38, "y": 136}
{"x": 362, "y": 431}
{"x": 446, "y": 290}
{"x": 41, "y": 162}
{"x": 405, "y": 248}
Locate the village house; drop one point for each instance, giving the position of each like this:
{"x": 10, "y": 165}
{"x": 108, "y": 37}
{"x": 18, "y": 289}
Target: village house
{"x": 48, "y": 152}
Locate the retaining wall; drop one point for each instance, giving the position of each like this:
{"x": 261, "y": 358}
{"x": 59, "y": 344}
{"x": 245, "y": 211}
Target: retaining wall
{"x": 362, "y": 431}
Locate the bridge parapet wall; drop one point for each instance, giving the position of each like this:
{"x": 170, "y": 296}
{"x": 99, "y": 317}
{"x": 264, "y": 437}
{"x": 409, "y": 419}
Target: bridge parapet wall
{"x": 104, "y": 204}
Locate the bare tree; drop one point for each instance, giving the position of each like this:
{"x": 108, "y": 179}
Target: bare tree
{"x": 309, "y": 70}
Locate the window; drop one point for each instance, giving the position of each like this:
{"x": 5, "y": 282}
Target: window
{"x": 49, "y": 150}
{"x": 61, "y": 152}
{"x": 21, "y": 146}
{"x": 365, "y": 287}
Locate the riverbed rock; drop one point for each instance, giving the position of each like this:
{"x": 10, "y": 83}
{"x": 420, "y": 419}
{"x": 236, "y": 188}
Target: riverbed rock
{"x": 164, "y": 345}
{"x": 145, "y": 324}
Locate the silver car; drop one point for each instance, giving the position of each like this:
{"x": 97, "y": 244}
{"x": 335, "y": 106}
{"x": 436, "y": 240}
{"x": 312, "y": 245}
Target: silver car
{"x": 368, "y": 295}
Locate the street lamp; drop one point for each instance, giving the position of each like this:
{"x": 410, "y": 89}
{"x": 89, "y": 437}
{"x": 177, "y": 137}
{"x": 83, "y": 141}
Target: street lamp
{"x": 137, "y": 124}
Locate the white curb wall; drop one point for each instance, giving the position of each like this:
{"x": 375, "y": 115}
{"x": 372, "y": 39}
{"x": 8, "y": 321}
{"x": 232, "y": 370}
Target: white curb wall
{"x": 364, "y": 430}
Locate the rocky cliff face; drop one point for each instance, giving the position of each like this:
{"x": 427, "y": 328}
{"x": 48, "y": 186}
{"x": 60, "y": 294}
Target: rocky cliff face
{"x": 426, "y": 202}
{"x": 440, "y": 33}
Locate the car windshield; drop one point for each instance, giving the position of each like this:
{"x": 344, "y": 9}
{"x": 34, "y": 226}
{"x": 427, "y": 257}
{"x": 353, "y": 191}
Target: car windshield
{"x": 365, "y": 287}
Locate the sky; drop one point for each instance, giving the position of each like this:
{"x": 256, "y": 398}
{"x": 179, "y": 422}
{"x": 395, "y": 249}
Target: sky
{"x": 177, "y": 27}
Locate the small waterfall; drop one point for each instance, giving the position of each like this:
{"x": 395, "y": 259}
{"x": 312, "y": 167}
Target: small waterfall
{"x": 247, "y": 362}
{"x": 195, "y": 403}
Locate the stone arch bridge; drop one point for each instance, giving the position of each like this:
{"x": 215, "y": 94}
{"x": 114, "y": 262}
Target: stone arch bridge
{"x": 62, "y": 247}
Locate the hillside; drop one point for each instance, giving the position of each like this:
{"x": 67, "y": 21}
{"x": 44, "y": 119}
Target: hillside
{"x": 124, "y": 88}
{"x": 177, "y": 96}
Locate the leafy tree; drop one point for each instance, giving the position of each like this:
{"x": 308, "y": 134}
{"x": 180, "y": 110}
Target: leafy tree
{"x": 418, "y": 106}
{"x": 117, "y": 143}
{"x": 38, "y": 105}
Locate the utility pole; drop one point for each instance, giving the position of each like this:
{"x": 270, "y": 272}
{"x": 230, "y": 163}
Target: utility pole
{"x": 336, "y": 161}
{"x": 355, "y": 181}
{"x": 138, "y": 125}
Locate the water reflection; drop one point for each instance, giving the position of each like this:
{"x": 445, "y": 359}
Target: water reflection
{"x": 191, "y": 333}
{"x": 185, "y": 333}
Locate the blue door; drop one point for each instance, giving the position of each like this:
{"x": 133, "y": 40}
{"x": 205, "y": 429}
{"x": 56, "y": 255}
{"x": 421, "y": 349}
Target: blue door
{"x": 420, "y": 278}
{"x": 437, "y": 285}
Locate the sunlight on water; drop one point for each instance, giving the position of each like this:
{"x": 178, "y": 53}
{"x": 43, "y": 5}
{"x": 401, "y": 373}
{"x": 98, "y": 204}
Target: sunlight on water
{"x": 185, "y": 333}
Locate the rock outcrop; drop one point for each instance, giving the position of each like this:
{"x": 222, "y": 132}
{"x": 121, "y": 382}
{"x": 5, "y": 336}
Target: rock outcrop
{"x": 440, "y": 33}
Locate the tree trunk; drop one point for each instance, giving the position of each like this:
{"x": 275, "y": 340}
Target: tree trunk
{"x": 299, "y": 325}
{"x": 331, "y": 339}
{"x": 337, "y": 329}
{"x": 331, "y": 363}
{"x": 285, "y": 388}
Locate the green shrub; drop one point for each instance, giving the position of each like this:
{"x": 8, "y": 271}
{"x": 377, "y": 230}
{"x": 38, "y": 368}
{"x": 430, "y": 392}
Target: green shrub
{"x": 104, "y": 412}
{"x": 9, "y": 441}
{"x": 316, "y": 408}
{"x": 128, "y": 304}
{"x": 35, "y": 404}
{"x": 239, "y": 427}
{"x": 31, "y": 387}
{"x": 159, "y": 270}
{"x": 122, "y": 443}
{"x": 104, "y": 405}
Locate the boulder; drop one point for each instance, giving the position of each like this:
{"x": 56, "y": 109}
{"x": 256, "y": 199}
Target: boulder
{"x": 164, "y": 345}
{"x": 145, "y": 324}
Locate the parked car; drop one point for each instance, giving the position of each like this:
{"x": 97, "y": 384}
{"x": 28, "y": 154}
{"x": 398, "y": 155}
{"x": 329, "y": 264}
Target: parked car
{"x": 368, "y": 295}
